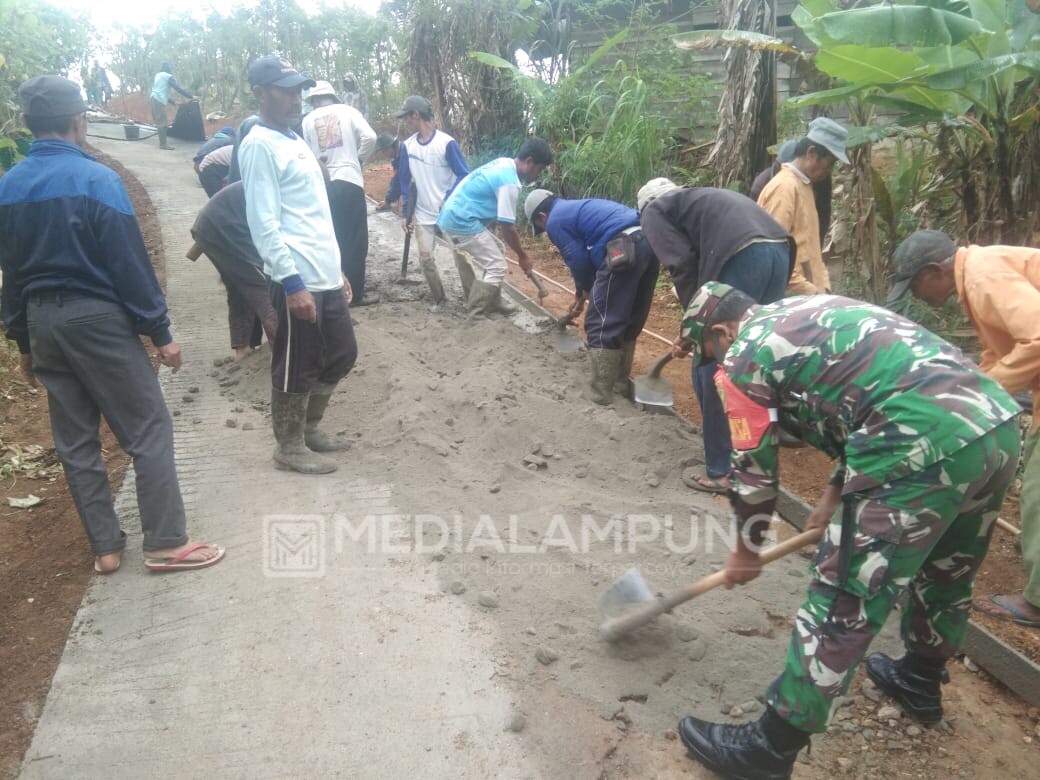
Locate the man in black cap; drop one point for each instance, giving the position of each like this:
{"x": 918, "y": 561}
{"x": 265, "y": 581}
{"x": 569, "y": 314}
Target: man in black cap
{"x": 291, "y": 226}
{"x": 430, "y": 166}
{"x": 79, "y": 291}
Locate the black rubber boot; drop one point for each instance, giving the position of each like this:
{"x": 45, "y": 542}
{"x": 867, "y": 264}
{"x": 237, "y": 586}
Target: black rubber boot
{"x": 317, "y": 440}
{"x": 763, "y": 750}
{"x": 914, "y": 682}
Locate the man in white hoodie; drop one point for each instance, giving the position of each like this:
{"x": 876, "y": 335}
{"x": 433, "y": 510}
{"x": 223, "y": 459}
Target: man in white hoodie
{"x": 342, "y": 140}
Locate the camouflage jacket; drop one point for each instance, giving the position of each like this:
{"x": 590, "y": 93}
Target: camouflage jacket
{"x": 873, "y": 389}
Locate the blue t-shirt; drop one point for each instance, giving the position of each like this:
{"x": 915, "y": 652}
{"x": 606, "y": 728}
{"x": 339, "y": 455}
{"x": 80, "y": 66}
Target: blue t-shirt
{"x": 486, "y": 195}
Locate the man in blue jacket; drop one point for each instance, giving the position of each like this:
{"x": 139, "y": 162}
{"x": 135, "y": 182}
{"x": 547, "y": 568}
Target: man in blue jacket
{"x": 614, "y": 269}
{"x": 79, "y": 291}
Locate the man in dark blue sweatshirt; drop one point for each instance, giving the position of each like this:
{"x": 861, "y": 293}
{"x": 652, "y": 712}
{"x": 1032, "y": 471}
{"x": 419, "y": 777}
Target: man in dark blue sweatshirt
{"x": 79, "y": 292}
{"x": 614, "y": 269}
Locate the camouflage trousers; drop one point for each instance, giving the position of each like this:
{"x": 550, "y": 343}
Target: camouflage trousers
{"x": 924, "y": 535}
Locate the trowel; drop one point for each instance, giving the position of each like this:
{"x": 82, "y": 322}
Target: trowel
{"x": 629, "y": 603}
{"x": 651, "y": 389}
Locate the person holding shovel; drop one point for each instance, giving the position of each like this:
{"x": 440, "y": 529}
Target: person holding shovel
{"x": 430, "y": 166}
{"x": 614, "y": 269}
{"x": 705, "y": 234}
{"x": 486, "y": 196}
{"x": 927, "y": 446}
{"x": 999, "y": 289}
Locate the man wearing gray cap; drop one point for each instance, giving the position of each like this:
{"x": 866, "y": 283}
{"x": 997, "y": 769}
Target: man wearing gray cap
{"x": 430, "y": 166}
{"x": 79, "y": 292}
{"x": 999, "y": 289}
{"x": 789, "y": 198}
{"x": 291, "y": 226}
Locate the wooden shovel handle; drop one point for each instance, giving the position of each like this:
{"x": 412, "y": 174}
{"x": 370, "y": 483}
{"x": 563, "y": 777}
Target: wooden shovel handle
{"x": 713, "y": 581}
{"x": 612, "y": 629}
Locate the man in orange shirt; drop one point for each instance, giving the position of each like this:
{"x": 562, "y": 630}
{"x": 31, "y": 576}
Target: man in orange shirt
{"x": 790, "y": 200}
{"x": 999, "y": 288}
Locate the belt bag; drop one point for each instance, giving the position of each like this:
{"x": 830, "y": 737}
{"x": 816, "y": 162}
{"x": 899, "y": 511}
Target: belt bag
{"x": 621, "y": 250}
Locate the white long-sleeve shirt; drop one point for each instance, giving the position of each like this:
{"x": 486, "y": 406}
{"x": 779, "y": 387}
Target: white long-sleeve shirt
{"x": 288, "y": 211}
{"x": 341, "y": 135}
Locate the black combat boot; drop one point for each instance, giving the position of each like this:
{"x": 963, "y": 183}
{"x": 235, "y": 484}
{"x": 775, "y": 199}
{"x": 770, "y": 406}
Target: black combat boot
{"x": 914, "y": 682}
{"x": 763, "y": 750}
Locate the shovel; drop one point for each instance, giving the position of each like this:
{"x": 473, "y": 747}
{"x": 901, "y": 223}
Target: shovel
{"x": 650, "y": 389}
{"x": 630, "y": 604}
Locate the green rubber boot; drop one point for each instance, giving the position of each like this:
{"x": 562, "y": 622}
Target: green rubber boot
{"x": 315, "y": 439}
{"x": 604, "y": 365}
{"x": 623, "y": 382}
{"x": 288, "y": 417}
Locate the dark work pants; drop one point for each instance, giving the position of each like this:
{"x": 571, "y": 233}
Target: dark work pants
{"x": 87, "y": 355}
{"x": 350, "y": 221}
{"x": 212, "y": 178}
{"x": 761, "y": 271}
{"x": 248, "y": 297}
{"x": 620, "y": 300}
{"x": 309, "y": 352}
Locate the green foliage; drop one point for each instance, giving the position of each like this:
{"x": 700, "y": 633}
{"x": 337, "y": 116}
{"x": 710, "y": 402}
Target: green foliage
{"x": 36, "y": 38}
{"x": 621, "y": 143}
{"x": 965, "y": 74}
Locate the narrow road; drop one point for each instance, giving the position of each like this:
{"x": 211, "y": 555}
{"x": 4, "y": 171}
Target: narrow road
{"x": 430, "y": 610}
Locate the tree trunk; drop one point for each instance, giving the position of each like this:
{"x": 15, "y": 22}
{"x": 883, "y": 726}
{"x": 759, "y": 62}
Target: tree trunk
{"x": 747, "y": 110}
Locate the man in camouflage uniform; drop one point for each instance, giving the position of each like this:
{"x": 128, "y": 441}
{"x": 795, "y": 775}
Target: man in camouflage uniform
{"x": 927, "y": 446}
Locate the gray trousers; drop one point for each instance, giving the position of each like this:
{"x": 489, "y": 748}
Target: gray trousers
{"x": 87, "y": 355}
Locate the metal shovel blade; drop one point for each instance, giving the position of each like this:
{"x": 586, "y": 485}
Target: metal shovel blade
{"x": 565, "y": 341}
{"x": 652, "y": 389}
{"x": 628, "y": 589}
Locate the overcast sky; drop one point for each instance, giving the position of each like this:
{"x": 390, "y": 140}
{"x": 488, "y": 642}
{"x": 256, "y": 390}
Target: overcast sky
{"x": 105, "y": 13}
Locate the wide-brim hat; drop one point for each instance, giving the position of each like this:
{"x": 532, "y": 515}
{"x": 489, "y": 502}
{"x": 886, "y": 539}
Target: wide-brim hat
{"x": 831, "y": 136}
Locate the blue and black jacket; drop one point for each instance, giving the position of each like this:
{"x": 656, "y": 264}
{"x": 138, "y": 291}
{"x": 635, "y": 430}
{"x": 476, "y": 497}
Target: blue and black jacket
{"x": 68, "y": 225}
{"x": 580, "y": 229}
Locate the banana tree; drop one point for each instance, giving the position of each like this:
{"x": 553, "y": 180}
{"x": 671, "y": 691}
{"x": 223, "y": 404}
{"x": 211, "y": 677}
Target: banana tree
{"x": 965, "y": 75}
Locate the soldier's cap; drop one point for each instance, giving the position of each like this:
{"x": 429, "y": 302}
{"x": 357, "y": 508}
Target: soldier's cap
{"x": 322, "y": 89}
{"x": 534, "y": 203}
{"x": 414, "y": 103}
{"x": 46, "y": 97}
{"x": 830, "y": 135}
{"x": 272, "y": 71}
{"x": 922, "y": 248}
{"x": 703, "y": 304}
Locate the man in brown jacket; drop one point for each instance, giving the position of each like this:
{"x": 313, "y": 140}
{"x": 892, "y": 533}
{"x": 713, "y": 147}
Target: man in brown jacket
{"x": 789, "y": 198}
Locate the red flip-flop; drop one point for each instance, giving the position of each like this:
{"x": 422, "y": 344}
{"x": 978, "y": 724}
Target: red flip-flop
{"x": 178, "y": 562}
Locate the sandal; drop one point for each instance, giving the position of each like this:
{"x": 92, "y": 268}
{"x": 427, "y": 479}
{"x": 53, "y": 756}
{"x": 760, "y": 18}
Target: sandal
{"x": 705, "y": 483}
{"x": 1005, "y": 610}
{"x": 179, "y": 561}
